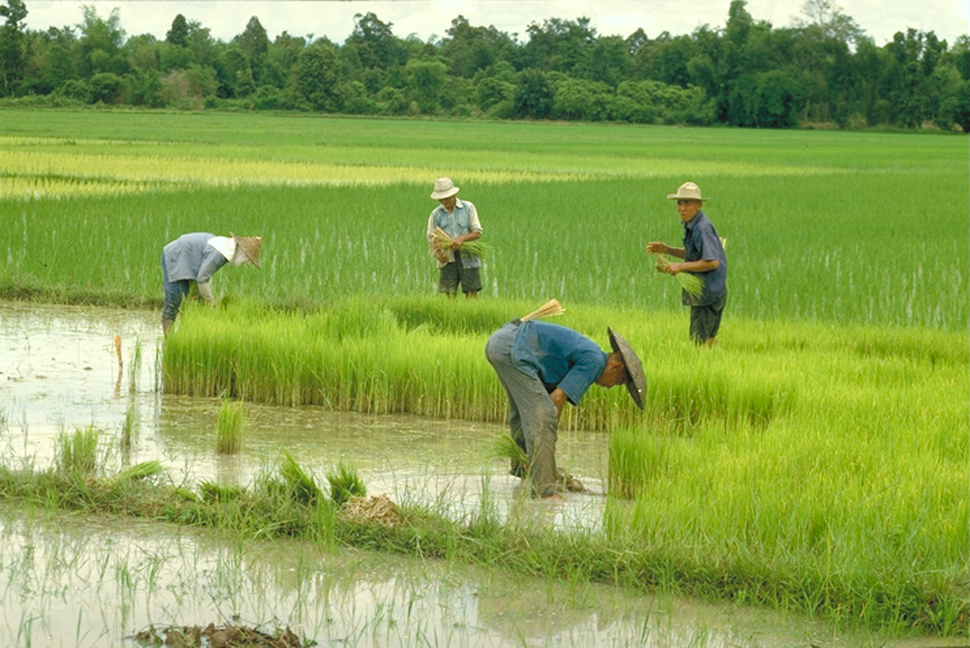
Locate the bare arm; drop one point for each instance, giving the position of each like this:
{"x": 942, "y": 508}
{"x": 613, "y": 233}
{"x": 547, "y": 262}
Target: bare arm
{"x": 656, "y": 247}
{"x": 559, "y": 399}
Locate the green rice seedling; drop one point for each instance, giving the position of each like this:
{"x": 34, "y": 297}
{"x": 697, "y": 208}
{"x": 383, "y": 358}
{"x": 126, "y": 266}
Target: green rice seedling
{"x": 299, "y": 483}
{"x": 214, "y": 492}
{"x": 78, "y": 451}
{"x": 691, "y": 283}
{"x": 230, "y": 426}
{"x": 345, "y": 484}
{"x": 504, "y": 446}
{"x": 138, "y": 472}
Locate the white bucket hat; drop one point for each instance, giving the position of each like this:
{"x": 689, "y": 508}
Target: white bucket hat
{"x": 687, "y": 191}
{"x": 443, "y": 188}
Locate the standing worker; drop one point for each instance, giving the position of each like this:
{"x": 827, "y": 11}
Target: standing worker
{"x": 703, "y": 255}
{"x": 196, "y": 257}
{"x": 542, "y": 366}
{"x": 459, "y": 219}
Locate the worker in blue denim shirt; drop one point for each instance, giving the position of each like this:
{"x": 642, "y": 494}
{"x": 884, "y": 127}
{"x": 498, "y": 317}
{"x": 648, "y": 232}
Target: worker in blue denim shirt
{"x": 703, "y": 255}
{"x": 542, "y": 367}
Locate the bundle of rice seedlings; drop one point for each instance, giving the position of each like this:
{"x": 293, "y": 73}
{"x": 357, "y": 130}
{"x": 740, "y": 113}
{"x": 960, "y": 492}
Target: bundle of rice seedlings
{"x": 301, "y": 485}
{"x": 550, "y": 309}
{"x": 139, "y": 471}
{"x": 231, "y": 422}
{"x": 214, "y": 492}
{"x": 345, "y": 484}
{"x": 505, "y": 447}
{"x": 693, "y": 284}
{"x": 441, "y": 243}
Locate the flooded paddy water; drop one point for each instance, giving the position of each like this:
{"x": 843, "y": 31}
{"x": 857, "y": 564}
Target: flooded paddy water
{"x": 73, "y": 580}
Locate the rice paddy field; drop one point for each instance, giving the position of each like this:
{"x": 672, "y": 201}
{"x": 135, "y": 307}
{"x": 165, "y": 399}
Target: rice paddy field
{"x": 814, "y": 461}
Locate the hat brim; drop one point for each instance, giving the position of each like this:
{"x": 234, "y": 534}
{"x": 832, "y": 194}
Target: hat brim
{"x": 250, "y": 250}
{"x": 678, "y": 197}
{"x": 637, "y": 385}
{"x": 441, "y": 195}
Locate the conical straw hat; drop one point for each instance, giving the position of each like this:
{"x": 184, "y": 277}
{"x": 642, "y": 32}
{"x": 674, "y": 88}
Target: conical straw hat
{"x": 250, "y": 246}
{"x": 637, "y": 385}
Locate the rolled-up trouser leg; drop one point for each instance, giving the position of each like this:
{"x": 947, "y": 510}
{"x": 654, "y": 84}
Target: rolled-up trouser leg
{"x": 537, "y": 416}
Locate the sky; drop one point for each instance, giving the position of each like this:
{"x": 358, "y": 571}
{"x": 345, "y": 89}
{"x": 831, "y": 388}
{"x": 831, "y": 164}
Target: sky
{"x": 225, "y": 19}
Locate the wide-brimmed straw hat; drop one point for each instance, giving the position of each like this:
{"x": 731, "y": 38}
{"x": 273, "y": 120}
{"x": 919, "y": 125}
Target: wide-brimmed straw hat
{"x": 443, "y": 188}
{"x": 250, "y": 246}
{"x": 687, "y": 191}
{"x": 637, "y": 385}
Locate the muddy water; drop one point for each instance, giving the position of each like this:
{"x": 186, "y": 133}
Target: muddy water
{"x": 74, "y": 581}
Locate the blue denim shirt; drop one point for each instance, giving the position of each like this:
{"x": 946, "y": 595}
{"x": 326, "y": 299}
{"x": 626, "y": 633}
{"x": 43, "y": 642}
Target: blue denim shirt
{"x": 559, "y": 357}
{"x": 701, "y": 242}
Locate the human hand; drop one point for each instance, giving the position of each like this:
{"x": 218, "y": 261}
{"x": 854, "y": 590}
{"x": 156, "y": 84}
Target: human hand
{"x": 656, "y": 247}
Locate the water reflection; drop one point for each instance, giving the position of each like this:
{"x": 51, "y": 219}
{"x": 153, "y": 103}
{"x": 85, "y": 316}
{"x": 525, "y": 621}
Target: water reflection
{"x": 75, "y": 581}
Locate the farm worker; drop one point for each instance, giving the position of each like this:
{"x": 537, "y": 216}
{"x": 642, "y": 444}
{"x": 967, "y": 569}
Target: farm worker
{"x": 703, "y": 255}
{"x": 459, "y": 219}
{"x": 542, "y": 366}
{"x": 196, "y": 257}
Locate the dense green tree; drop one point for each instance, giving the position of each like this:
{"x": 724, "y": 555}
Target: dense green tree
{"x": 179, "y": 32}
{"x": 471, "y": 49}
{"x": 50, "y": 61}
{"x": 375, "y": 43}
{"x": 559, "y": 45}
{"x": 100, "y": 42}
{"x": 317, "y": 77}
{"x": 534, "y": 95}
{"x": 426, "y": 83}
{"x": 12, "y": 46}
{"x": 254, "y": 43}
{"x": 821, "y": 69}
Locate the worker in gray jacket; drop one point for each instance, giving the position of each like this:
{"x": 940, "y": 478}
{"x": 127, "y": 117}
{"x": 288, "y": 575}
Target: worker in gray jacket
{"x": 196, "y": 257}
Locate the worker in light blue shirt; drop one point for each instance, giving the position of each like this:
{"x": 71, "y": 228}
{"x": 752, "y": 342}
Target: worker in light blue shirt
{"x": 459, "y": 220}
{"x": 194, "y": 258}
{"x": 542, "y": 367}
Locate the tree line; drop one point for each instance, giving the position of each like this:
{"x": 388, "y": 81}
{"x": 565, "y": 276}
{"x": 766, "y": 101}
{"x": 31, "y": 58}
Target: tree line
{"x": 823, "y": 71}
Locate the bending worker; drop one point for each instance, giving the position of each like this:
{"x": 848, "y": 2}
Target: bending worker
{"x": 542, "y": 366}
{"x": 196, "y": 257}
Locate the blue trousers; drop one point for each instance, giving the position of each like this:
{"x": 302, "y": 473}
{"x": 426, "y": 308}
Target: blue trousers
{"x": 175, "y": 292}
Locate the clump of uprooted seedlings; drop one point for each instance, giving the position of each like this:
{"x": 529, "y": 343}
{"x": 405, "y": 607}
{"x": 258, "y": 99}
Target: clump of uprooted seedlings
{"x": 224, "y": 636}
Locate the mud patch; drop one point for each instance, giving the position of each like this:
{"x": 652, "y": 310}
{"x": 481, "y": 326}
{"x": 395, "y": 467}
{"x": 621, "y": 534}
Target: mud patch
{"x": 379, "y": 509}
{"x": 225, "y": 636}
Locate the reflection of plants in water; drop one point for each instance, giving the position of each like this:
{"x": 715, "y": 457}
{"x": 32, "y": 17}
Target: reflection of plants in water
{"x": 134, "y": 366}
{"x": 230, "y": 425}
{"x": 129, "y": 428}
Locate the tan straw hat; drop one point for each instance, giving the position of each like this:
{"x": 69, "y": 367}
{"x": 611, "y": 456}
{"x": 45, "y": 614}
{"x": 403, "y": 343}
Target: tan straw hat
{"x": 687, "y": 191}
{"x": 637, "y": 385}
{"x": 443, "y": 188}
{"x": 250, "y": 246}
